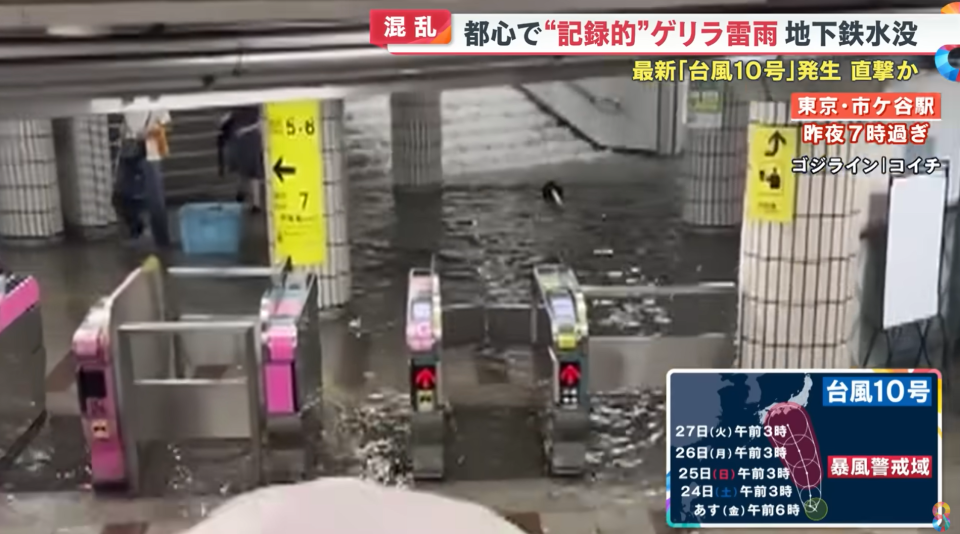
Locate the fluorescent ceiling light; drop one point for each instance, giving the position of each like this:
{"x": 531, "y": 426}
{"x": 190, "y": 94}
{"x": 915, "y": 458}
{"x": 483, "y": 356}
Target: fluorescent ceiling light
{"x": 75, "y": 31}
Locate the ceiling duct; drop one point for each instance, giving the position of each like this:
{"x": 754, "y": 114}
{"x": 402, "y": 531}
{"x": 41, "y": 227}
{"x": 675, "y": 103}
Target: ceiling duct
{"x": 130, "y": 15}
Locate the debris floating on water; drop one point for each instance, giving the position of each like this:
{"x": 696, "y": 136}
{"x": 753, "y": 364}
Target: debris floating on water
{"x": 628, "y": 428}
{"x": 373, "y": 437}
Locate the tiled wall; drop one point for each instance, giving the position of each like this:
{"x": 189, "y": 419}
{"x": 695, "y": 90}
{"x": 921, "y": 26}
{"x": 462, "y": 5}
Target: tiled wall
{"x": 29, "y": 192}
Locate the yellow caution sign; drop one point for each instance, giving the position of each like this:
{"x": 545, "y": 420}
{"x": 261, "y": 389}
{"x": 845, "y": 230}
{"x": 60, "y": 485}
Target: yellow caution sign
{"x": 294, "y": 167}
{"x": 771, "y": 184}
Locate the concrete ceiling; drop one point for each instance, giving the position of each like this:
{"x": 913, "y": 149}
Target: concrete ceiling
{"x": 81, "y": 16}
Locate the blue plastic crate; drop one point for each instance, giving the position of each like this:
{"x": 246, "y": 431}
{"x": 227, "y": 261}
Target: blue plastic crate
{"x": 211, "y": 228}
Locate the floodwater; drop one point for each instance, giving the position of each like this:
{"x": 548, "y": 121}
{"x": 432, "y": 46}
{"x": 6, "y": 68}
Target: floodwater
{"x": 619, "y": 225}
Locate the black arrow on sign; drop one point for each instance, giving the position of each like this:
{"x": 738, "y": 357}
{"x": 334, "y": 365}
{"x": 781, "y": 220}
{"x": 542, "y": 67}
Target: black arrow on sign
{"x": 282, "y": 170}
{"x": 774, "y": 143}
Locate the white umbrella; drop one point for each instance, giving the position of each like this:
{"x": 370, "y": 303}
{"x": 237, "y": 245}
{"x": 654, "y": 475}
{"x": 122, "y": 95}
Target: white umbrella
{"x": 350, "y": 506}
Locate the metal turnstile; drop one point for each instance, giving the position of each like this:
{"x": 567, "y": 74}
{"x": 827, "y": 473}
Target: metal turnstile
{"x": 139, "y": 361}
{"x": 157, "y": 403}
{"x": 575, "y": 362}
{"x": 429, "y": 409}
{"x": 557, "y": 298}
{"x": 23, "y": 365}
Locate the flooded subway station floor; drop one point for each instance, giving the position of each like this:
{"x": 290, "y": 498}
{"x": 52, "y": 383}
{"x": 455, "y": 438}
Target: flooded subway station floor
{"x": 620, "y": 225}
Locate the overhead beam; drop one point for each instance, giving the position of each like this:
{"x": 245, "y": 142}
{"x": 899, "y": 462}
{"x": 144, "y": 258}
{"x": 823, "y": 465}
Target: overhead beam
{"x": 113, "y": 13}
{"x": 272, "y": 89}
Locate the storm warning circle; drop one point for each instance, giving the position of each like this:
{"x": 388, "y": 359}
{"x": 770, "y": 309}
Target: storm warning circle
{"x": 801, "y": 454}
{"x": 815, "y": 508}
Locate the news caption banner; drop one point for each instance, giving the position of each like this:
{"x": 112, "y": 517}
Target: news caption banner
{"x": 824, "y": 448}
{"x": 774, "y": 158}
{"x": 436, "y": 31}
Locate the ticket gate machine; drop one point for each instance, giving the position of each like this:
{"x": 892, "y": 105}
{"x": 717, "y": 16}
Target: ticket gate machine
{"x": 292, "y": 363}
{"x": 424, "y": 337}
{"x": 23, "y": 365}
{"x": 134, "y": 353}
{"x": 559, "y": 300}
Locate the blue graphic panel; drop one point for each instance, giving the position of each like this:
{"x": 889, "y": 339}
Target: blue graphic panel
{"x": 818, "y": 447}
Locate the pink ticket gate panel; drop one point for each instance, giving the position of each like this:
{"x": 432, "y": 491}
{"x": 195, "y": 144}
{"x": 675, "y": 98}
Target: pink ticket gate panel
{"x": 97, "y": 389}
{"x": 22, "y": 365}
{"x": 292, "y": 367}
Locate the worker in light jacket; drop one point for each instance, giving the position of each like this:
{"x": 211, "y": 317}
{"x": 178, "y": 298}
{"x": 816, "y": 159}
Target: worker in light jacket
{"x": 240, "y": 150}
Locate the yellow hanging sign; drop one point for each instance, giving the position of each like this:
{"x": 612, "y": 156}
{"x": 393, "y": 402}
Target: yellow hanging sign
{"x": 771, "y": 184}
{"x": 294, "y": 167}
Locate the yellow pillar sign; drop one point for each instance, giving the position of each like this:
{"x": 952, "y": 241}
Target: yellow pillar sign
{"x": 771, "y": 184}
{"x": 294, "y": 166}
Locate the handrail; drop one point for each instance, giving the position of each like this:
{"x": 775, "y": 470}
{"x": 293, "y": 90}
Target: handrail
{"x": 232, "y": 272}
{"x": 607, "y": 105}
{"x": 614, "y": 292}
{"x": 157, "y": 327}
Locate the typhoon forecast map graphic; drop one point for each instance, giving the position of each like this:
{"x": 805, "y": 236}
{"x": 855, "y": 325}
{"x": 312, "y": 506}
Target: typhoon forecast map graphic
{"x": 799, "y": 442}
{"x": 781, "y": 448}
{"x": 802, "y": 458}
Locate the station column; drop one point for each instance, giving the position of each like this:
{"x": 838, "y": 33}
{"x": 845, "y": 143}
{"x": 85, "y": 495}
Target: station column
{"x": 416, "y": 136}
{"x": 715, "y": 156}
{"x": 29, "y": 191}
{"x": 797, "y": 274}
{"x": 85, "y": 168}
{"x": 334, "y": 274}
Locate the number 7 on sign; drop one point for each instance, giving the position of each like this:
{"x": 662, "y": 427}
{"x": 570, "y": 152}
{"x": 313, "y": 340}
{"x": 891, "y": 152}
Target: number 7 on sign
{"x": 304, "y": 197}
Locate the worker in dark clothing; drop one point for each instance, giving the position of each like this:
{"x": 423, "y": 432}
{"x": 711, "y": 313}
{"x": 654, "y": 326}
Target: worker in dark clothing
{"x": 240, "y": 152}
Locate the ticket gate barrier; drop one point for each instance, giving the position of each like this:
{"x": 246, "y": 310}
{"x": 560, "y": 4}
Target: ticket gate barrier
{"x": 292, "y": 362}
{"x": 292, "y": 370}
{"x": 137, "y": 356}
{"x": 155, "y": 404}
{"x": 423, "y": 336}
{"x": 697, "y": 338}
{"x": 23, "y": 365}
{"x": 580, "y": 362}
{"x": 557, "y": 298}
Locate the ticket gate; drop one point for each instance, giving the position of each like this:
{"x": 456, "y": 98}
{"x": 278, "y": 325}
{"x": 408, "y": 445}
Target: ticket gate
{"x": 138, "y": 356}
{"x": 558, "y": 299}
{"x": 23, "y": 365}
{"x": 575, "y": 362}
{"x": 559, "y": 310}
{"x": 423, "y": 337}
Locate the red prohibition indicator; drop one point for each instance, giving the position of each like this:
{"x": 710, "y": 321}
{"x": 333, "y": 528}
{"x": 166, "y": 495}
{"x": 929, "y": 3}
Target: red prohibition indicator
{"x": 569, "y": 374}
{"x": 423, "y": 377}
